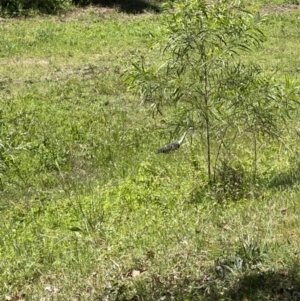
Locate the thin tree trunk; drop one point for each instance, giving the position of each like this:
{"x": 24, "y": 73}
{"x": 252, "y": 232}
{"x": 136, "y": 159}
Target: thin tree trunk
{"x": 255, "y": 157}
{"x": 207, "y": 124}
{"x": 208, "y": 148}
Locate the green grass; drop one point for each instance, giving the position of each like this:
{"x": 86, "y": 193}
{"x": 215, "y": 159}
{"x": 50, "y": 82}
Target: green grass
{"x": 90, "y": 212}
{"x": 279, "y": 53}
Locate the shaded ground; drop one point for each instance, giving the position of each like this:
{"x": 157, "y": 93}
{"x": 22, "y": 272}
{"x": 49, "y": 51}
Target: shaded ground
{"x": 267, "y": 286}
{"x": 255, "y": 285}
{"x": 128, "y": 6}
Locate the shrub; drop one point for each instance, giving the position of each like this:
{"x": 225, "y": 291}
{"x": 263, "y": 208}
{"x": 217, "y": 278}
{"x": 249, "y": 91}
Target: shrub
{"x": 23, "y": 7}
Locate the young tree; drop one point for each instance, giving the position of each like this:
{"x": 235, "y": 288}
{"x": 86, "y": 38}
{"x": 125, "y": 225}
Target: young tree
{"x": 202, "y": 74}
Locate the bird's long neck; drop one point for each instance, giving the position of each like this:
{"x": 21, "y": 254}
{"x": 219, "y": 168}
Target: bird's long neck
{"x": 183, "y": 136}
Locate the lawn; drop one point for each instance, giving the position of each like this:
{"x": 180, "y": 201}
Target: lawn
{"x": 89, "y": 211}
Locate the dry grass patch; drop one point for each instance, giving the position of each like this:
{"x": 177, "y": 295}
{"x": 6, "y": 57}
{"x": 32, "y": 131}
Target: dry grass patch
{"x": 279, "y": 9}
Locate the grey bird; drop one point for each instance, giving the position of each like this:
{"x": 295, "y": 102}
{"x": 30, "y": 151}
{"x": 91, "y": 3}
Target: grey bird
{"x": 174, "y": 145}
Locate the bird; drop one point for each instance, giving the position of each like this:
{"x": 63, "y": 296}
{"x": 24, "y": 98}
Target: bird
{"x": 174, "y": 145}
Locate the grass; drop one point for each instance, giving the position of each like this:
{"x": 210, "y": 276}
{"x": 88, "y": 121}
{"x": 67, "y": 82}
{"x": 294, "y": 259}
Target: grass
{"x": 279, "y": 54}
{"x": 90, "y": 212}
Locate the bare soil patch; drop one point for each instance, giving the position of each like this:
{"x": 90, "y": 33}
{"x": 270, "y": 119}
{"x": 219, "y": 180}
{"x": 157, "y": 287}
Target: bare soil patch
{"x": 281, "y": 9}
{"x": 79, "y": 12}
